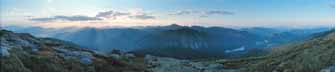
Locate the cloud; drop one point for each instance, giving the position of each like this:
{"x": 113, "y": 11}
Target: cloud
{"x": 115, "y": 14}
{"x": 142, "y": 17}
{"x": 100, "y": 16}
{"x": 216, "y": 12}
{"x": 66, "y": 18}
{"x": 202, "y": 13}
{"x": 219, "y": 12}
{"x": 112, "y": 14}
{"x": 184, "y": 12}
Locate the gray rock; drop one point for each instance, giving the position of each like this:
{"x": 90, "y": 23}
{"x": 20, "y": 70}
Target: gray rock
{"x": 4, "y": 48}
{"x": 329, "y": 69}
{"x": 85, "y": 57}
{"x": 86, "y": 60}
{"x": 4, "y": 52}
{"x": 129, "y": 55}
{"x": 115, "y": 56}
{"x": 164, "y": 64}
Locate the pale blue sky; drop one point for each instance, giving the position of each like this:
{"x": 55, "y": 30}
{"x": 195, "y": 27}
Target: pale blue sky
{"x": 160, "y": 12}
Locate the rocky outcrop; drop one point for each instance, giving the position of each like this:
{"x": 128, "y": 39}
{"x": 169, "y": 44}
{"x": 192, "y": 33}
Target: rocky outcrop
{"x": 22, "y": 52}
{"x": 164, "y": 64}
{"x": 329, "y": 69}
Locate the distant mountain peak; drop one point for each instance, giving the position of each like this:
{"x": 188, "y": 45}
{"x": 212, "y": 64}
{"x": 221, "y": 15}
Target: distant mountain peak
{"x": 174, "y": 24}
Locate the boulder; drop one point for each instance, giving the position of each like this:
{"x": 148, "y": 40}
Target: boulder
{"x": 164, "y": 64}
{"x": 116, "y": 56}
{"x": 329, "y": 69}
{"x": 4, "y": 52}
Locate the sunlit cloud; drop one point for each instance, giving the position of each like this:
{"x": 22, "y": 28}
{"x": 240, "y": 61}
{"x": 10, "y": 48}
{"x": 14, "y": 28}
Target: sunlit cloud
{"x": 101, "y": 19}
{"x": 101, "y": 24}
{"x": 66, "y": 18}
{"x": 107, "y": 15}
{"x": 206, "y": 13}
{"x": 112, "y": 14}
{"x": 184, "y": 12}
{"x": 216, "y": 12}
{"x": 143, "y": 17}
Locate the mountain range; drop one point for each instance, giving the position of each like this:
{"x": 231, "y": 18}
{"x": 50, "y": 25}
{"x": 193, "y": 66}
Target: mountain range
{"x": 22, "y": 52}
{"x": 217, "y": 41}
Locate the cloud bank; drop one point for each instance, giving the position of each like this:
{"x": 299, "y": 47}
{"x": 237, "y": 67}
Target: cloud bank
{"x": 66, "y": 18}
{"x": 184, "y": 12}
{"x": 112, "y": 14}
{"x": 202, "y": 13}
{"x": 100, "y": 16}
{"x": 142, "y": 17}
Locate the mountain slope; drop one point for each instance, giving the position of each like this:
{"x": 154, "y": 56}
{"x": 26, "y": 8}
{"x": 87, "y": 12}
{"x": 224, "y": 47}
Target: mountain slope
{"x": 309, "y": 56}
{"x": 182, "y": 38}
{"x": 192, "y": 42}
{"x": 22, "y": 52}
{"x": 223, "y": 39}
{"x": 276, "y": 37}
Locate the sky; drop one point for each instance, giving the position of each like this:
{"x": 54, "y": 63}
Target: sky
{"x": 229, "y": 13}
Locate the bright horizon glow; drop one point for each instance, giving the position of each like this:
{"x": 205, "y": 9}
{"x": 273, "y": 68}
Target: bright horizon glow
{"x": 228, "y": 13}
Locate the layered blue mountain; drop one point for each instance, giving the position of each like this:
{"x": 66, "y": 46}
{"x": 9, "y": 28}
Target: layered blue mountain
{"x": 174, "y": 38}
{"x": 276, "y": 36}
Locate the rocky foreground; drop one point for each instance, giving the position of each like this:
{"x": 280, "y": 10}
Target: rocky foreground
{"x": 21, "y": 52}
{"x": 164, "y": 64}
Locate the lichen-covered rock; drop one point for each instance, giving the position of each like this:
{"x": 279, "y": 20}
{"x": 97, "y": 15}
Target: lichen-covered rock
{"x": 329, "y": 69}
{"x": 13, "y": 64}
{"x": 116, "y": 56}
{"x": 163, "y": 64}
{"x": 4, "y": 52}
{"x": 86, "y": 60}
{"x": 130, "y": 55}
{"x": 25, "y": 53}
